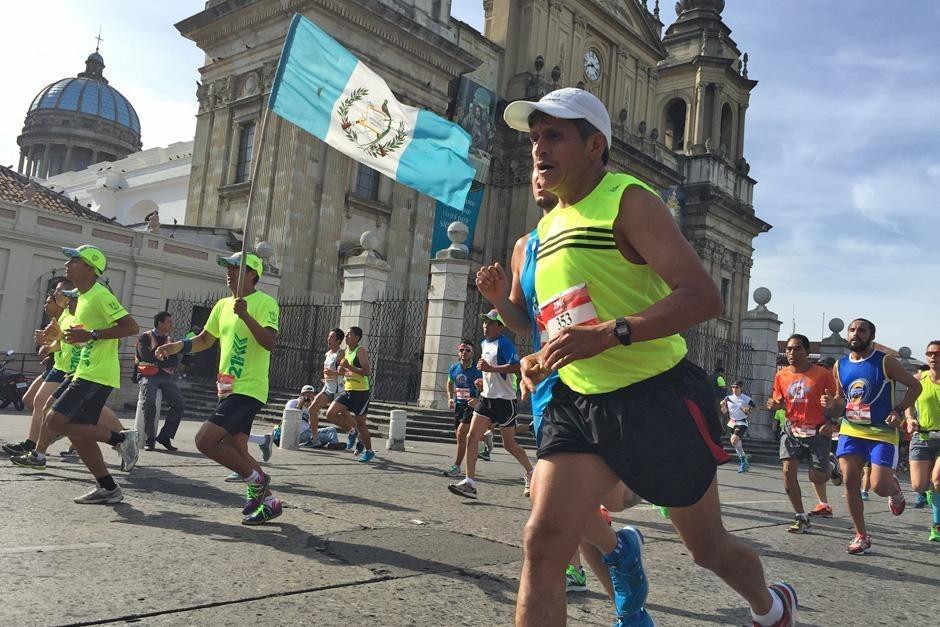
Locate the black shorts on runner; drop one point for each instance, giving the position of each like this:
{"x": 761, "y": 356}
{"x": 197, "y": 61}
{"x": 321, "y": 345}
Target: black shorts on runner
{"x": 500, "y": 411}
{"x": 463, "y": 413}
{"x": 81, "y": 400}
{"x": 356, "y": 401}
{"x": 661, "y": 436}
{"x": 236, "y": 412}
{"x": 739, "y": 430}
{"x": 55, "y": 376}
{"x": 815, "y": 448}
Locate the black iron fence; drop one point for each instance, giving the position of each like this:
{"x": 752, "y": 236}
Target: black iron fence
{"x": 709, "y": 350}
{"x": 396, "y": 345}
{"x": 298, "y": 358}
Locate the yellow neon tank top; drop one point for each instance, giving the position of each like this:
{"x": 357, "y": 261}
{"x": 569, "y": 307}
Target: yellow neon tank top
{"x": 578, "y": 249}
{"x": 355, "y": 382}
{"x": 928, "y": 404}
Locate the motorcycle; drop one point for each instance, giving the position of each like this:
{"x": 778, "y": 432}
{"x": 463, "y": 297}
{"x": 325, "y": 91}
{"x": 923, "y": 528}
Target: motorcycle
{"x": 12, "y": 386}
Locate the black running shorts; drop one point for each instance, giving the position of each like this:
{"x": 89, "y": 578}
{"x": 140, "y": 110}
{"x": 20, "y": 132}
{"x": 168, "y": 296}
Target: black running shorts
{"x": 500, "y": 411}
{"x": 81, "y": 400}
{"x": 356, "y": 401}
{"x": 661, "y": 436}
{"x": 236, "y": 412}
{"x": 739, "y": 430}
{"x": 463, "y": 413}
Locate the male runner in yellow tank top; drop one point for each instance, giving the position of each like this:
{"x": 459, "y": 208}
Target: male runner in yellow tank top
{"x": 616, "y": 282}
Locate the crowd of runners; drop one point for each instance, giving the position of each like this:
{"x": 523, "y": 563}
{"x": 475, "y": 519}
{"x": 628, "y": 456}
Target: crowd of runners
{"x": 603, "y": 285}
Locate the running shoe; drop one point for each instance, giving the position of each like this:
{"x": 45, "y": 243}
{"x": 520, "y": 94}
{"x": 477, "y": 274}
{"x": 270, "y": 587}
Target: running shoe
{"x": 266, "y": 447}
{"x": 787, "y": 596}
{"x": 743, "y": 466}
{"x": 921, "y": 501}
{"x": 488, "y": 439}
{"x": 100, "y": 496}
{"x": 69, "y": 453}
{"x": 864, "y": 495}
{"x": 167, "y": 443}
{"x": 16, "y": 448}
{"x": 255, "y": 493}
{"x": 822, "y": 510}
{"x": 527, "y": 490}
{"x": 453, "y": 471}
{"x": 626, "y": 573}
{"x": 484, "y": 454}
{"x": 233, "y": 477}
{"x": 575, "y": 579}
{"x": 367, "y": 456}
{"x": 128, "y": 450}
{"x": 934, "y": 533}
{"x": 640, "y": 619}
{"x": 335, "y": 446}
{"x": 836, "y": 476}
{"x": 896, "y": 502}
{"x": 29, "y": 460}
{"x": 464, "y": 489}
{"x": 264, "y": 513}
{"x": 860, "y": 545}
{"x": 351, "y": 439}
{"x": 800, "y": 524}
{"x": 150, "y": 445}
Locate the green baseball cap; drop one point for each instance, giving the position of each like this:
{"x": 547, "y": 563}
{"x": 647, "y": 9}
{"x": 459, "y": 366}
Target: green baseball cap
{"x": 252, "y": 261}
{"x": 492, "y": 315}
{"x": 91, "y": 255}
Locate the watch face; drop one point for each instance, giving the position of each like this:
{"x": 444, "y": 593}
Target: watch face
{"x": 592, "y": 65}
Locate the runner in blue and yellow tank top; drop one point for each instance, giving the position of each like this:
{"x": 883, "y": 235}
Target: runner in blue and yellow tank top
{"x": 924, "y": 425}
{"x": 869, "y": 430}
{"x": 616, "y": 282}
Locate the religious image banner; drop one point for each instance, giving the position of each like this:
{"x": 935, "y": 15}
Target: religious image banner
{"x": 323, "y": 88}
{"x": 475, "y": 112}
{"x": 445, "y": 214}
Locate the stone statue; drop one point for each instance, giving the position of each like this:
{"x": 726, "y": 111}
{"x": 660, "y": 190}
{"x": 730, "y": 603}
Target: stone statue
{"x": 153, "y": 222}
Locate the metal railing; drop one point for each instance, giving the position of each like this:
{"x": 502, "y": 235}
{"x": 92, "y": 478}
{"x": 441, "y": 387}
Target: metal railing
{"x": 396, "y": 345}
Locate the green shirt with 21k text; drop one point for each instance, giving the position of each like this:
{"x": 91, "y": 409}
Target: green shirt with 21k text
{"x": 98, "y": 309}
{"x": 243, "y": 362}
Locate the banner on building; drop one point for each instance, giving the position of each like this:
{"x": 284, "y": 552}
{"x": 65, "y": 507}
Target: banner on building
{"x": 324, "y": 89}
{"x": 475, "y": 112}
{"x": 445, "y": 214}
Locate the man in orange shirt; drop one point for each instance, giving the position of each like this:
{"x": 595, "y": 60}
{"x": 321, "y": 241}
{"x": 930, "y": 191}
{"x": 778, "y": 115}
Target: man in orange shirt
{"x": 800, "y": 388}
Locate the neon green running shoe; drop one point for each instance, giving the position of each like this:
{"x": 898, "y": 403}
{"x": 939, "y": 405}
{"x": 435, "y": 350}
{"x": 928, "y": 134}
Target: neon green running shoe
{"x": 575, "y": 579}
{"x": 935, "y": 533}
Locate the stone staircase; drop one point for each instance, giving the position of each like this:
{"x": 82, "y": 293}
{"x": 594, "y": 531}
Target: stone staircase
{"x": 424, "y": 424}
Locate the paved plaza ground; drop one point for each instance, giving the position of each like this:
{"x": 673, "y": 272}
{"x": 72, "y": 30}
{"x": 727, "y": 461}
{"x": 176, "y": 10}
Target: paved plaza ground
{"x": 386, "y": 544}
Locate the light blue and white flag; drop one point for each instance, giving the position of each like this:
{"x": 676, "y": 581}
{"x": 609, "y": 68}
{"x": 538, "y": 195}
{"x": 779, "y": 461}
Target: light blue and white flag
{"x": 323, "y": 88}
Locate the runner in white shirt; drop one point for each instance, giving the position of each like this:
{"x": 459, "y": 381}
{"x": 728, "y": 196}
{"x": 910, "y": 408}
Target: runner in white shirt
{"x": 737, "y": 406}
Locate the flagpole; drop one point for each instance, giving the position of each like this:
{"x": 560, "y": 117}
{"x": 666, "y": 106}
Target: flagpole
{"x": 255, "y": 167}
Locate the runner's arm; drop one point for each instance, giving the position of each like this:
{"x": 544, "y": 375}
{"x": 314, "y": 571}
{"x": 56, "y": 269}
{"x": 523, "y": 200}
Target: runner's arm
{"x": 896, "y": 371}
{"x": 200, "y": 343}
{"x": 124, "y": 327}
{"x": 265, "y": 336}
{"x": 513, "y": 309}
{"x": 364, "y": 369}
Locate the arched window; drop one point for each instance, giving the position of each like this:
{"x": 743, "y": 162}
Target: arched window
{"x": 726, "y": 122}
{"x": 674, "y": 128}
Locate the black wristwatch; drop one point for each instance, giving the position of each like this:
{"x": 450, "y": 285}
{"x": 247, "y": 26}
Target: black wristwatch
{"x": 94, "y": 335}
{"x": 622, "y": 331}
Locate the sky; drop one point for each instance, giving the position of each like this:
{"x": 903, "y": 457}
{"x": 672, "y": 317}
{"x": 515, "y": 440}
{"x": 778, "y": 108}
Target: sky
{"x": 843, "y": 135}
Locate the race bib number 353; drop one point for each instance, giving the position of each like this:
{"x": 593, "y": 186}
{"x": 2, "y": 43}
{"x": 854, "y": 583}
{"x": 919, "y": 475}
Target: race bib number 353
{"x": 570, "y": 308}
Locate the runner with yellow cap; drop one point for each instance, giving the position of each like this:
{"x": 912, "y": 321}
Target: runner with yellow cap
{"x": 246, "y": 326}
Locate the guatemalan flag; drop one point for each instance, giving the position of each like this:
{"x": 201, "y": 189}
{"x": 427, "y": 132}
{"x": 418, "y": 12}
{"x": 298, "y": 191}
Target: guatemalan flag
{"x": 323, "y": 88}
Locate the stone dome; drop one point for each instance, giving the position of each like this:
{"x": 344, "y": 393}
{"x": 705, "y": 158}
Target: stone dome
{"x": 713, "y": 5}
{"x": 76, "y": 122}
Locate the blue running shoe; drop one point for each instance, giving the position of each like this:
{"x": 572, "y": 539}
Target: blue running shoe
{"x": 366, "y": 456}
{"x": 351, "y": 439}
{"x": 640, "y": 619}
{"x": 921, "y": 501}
{"x": 626, "y": 574}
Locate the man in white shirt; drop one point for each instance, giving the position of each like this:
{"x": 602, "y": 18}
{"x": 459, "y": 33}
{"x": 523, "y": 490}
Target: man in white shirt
{"x": 737, "y": 406}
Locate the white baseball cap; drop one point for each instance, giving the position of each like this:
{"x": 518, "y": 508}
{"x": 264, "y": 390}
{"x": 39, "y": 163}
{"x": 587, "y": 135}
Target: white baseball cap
{"x": 568, "y": 103}
{"x": 307, "y": 388}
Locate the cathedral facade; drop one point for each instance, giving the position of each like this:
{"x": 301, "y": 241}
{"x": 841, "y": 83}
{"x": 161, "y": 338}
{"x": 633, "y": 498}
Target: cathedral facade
{"x": 677, "y": 97}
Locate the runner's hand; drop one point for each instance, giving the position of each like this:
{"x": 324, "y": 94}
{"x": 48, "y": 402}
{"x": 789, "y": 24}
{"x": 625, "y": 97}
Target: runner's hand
{"x": 910, "y": 426}
{"x": 894, "y": 419}
{"x": 77, "y": 335}
{"x": 484, "y": 366}
{"x": 40, "y": 336}
{"x": 532, "y": 372}
{"x": 493, "y": 283}
{"x": 826, "y": 429}
{"x": 44, "y": 350}
{"x": 450, "y": 403}
{"x": 827, "y": 401}
{"x": 579, "y": 342}
{"x": 241, "y": 308}
{"x": 165, "y": 350}
{"x": 773, "y": 404}
{"x": 479, "y": 384}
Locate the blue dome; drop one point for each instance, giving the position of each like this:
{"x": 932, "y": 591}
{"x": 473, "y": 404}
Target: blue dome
{"x": 89, "y": 96}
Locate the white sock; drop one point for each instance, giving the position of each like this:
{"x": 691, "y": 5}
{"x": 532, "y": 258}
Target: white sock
{"x": 771, "y": 617}
{"x": 739, "y": 447}
{"x": 470, "y": 481}
{"x": 39, "y": 456}
{"x": 254, "y": 477}
{"x": 257, "y": 439}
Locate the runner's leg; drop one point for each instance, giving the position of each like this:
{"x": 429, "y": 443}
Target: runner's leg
{"x": 852, "y": 479}
{"x": 463, "y": 432}
{"x": 512, "y": 447}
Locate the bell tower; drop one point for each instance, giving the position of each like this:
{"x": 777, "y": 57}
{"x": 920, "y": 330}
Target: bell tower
{"x": 702, "y": 98}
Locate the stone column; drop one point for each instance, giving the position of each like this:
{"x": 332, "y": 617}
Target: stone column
{"x": 44, "y": 166}
{"x": 19, "y": 168}
{"x": 364, "y": 278}
{"x": 447, "y": 296}
{"x": 67, "y": 166}
{"x": 834, "y": 346}
{"x": 760, "y": 328}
